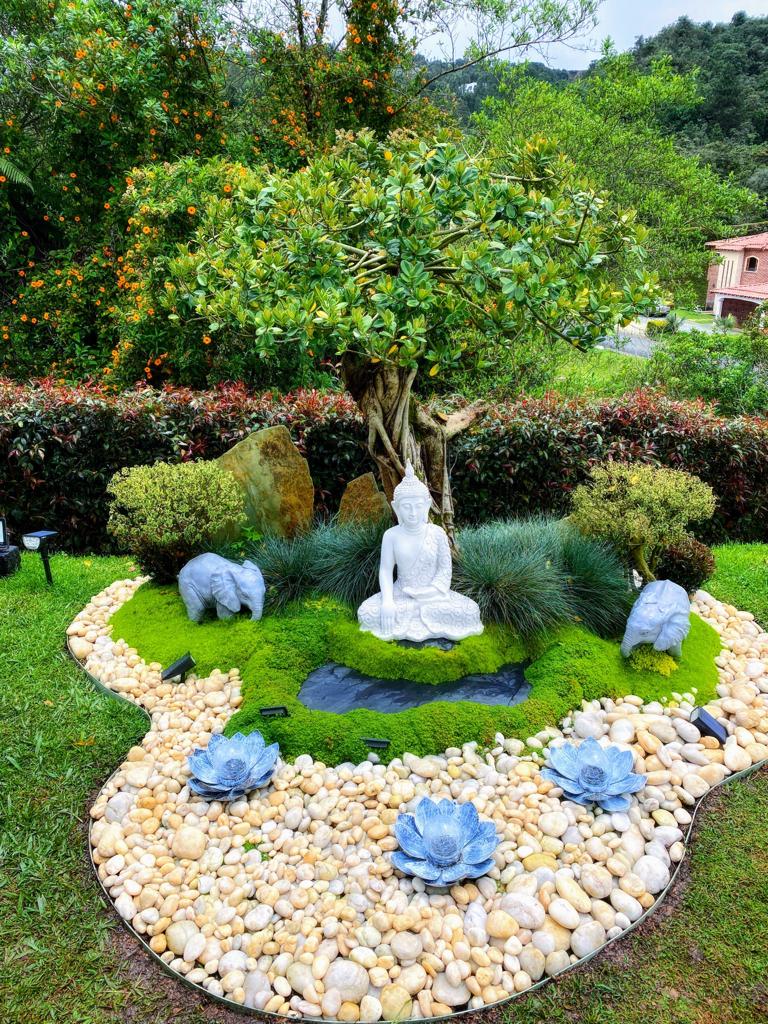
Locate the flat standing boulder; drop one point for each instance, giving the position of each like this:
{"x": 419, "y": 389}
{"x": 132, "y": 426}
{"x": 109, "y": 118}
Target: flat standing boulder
{"x": 279, "y": 494}
{"x": 363, "y": 502}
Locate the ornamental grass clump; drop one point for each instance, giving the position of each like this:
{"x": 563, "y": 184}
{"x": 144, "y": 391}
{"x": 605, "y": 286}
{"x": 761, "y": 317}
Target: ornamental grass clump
{"x": 444, "y": 842}
{"x": 166, "y": 514}
{"x": 338, "y": 559}
{"x": 640, "y": 509}
{"x": 536, "y": 574}
{"x": 590, "y": 774}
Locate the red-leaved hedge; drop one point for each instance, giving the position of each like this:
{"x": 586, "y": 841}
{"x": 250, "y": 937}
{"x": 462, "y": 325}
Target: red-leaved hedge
{"x": 60, "y": 445}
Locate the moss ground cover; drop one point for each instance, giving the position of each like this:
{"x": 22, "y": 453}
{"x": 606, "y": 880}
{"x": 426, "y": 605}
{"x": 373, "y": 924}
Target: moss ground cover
{"x": 276, "y": 655}
{"x": 61, "y": 960}
{"x": 741, "y": 578}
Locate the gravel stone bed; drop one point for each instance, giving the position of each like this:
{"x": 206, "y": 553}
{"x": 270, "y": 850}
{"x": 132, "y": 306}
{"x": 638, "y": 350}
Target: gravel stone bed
{"x": 287, "y": 901}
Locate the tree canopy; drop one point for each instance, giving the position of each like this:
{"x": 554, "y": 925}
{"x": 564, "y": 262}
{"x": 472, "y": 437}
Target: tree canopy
{"x": 403, "y": 256}
{"x": 612, "y": 126}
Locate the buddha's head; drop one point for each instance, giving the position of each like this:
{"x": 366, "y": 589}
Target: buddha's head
{"x": 411, "y": 501}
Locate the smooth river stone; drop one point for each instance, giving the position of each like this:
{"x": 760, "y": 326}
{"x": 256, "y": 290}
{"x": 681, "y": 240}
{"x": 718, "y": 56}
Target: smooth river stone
{"x": 499, "y": 925}
{"x": 452, "y": 995}
{"x": 596, "y": 880}
{"x": 526, "y": 910}
{"x": 653, "y": 873}
{"x": 189, "y": 843}
{"x": 406, "y": 946}
{"x": 178, "y": 935}
{"x": 348, "y": 978}
{"x": 553, "y": 823}
{"x": 560, "y": 910}
{"x": 570, "y": 890}
{"x": 587, "y": 938}
{"x": 395, "y": 1002}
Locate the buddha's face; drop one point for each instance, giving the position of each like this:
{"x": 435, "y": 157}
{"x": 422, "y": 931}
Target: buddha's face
{"x": 411, "y": 512}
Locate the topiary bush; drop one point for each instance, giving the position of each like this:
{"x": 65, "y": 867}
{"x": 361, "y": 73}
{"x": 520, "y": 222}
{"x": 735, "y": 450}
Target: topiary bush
{"x": 640, "y": 509}
{"x": 688, "y": 562}
{"x": 165, "y": 514}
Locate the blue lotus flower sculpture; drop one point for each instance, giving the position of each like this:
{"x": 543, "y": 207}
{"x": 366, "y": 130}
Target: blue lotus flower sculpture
{"x": 444, "y": 842}
{"x": 591, "y": 774}
{"x": 231, "y": 766}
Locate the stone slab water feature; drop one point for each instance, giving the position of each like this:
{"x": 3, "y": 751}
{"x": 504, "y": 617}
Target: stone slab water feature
{"x": 337, "y": 688}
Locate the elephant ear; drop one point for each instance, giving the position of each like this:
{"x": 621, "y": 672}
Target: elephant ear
{"x": 224, "y": 591}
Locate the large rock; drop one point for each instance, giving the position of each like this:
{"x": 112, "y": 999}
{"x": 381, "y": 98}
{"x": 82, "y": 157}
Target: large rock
{"x": 279, "y": 494}
{"x": 363, "y": 502}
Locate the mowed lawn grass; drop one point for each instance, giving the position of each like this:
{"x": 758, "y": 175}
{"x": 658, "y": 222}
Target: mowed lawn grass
{"x": 61, "y": 739}
{"x": 741, "y": 578}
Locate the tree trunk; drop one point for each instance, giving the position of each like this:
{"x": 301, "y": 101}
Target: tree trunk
{"x": 638, "y": 559}
{"x": 401, "y": 429}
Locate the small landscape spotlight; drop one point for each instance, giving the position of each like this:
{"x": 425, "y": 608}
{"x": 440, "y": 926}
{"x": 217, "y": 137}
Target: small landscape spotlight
{"x": 277, "y": 711}
{"x": 3, "y": 533}
{"x": 708, "y": 725}
{"x": 38, "y": 541}
{"x": 375, "y": 744}
{"x": 179, "y": 668}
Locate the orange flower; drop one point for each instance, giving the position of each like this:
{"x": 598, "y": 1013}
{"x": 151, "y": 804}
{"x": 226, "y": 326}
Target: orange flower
{"x": 145, "y": 229}
{"x": 2, "y": 178}
{"x": 227, "y": 188}
{"x": 37, "y": 284}
{"x": 191, "y": 210}
{"x": 207, "y": 339}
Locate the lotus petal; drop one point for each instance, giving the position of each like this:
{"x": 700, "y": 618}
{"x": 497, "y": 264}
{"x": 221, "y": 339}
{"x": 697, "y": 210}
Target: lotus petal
{"x": 469, "y": 819}
{"x": 614, "y": 803}
{"x": 564, "y": 760}
{"x": 426, "y": 811}
{"x": 200, "y": 766}
{"x": 620, "y": 762}
{"x": 413, "y": 866}
{"x": 477, "y": 870}
{"x": 482, "y": 846}
{"x": 408, "y": 836}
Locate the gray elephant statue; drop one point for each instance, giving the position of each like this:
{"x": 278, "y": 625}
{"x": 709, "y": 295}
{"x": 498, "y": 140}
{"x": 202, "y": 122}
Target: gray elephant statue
{"x": 209, "y": 581}
{"x": 660, "y": 616}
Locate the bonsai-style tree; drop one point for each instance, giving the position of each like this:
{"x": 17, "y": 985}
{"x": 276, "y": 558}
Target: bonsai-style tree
{"x": 402, "y": 259}
{"x": 641, "y": 509}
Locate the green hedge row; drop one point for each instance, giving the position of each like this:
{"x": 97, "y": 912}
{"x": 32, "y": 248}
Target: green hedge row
{"x": 59, "y": 446}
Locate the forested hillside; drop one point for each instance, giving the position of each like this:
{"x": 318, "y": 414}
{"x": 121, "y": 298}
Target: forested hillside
{"x": 729, "y": 129}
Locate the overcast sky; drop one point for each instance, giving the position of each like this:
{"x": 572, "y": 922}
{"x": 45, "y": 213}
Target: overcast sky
{"x": 624, "y": 20}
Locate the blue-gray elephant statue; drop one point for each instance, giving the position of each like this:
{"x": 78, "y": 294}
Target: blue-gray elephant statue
{"x": 210, "y": 581}
{"x": 660, "y": 616}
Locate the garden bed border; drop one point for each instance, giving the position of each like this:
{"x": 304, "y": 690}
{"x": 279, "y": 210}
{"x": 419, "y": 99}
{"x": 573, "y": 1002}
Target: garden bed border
{"x": 236, "y": 1007}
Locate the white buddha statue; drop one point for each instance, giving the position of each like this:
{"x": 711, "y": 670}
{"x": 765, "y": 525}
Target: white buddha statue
{"x": 419, "y": 604}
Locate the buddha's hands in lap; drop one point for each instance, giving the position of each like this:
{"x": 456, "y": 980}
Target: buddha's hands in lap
{"x": 423, "y": 594}
{"x": 387, "y": 616}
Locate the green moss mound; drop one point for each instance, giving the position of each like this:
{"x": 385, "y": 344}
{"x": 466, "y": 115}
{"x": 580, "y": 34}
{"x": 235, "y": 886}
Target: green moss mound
{"x": 276, "y": 654}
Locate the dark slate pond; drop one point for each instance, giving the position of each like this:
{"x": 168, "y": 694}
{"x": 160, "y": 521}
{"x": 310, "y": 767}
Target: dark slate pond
{"x": 335, "y": 687}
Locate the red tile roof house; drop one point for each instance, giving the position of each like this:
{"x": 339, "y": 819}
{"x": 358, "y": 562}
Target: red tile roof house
{"x": 738, "y": 283}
